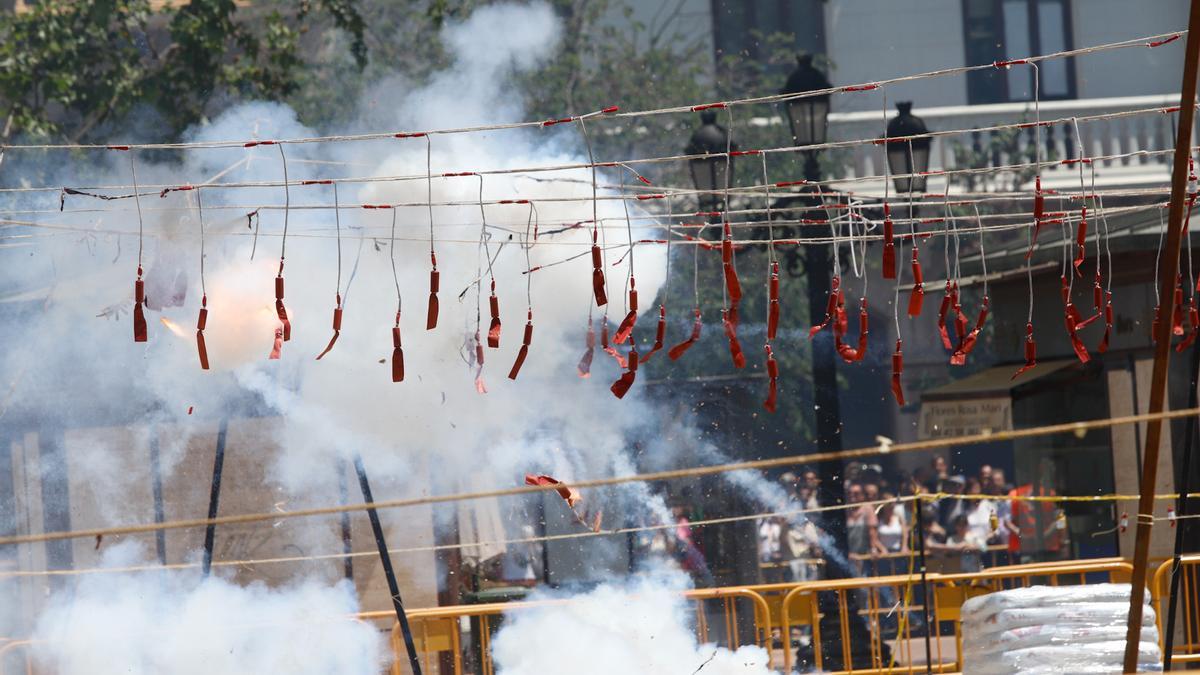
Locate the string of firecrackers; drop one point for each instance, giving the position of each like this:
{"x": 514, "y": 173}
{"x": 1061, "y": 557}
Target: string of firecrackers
{"x": 1152, "y": 41}
{"x": 165, "y": 189}
{"x": 670, "y": 474}
{"x": 835, "y": 313}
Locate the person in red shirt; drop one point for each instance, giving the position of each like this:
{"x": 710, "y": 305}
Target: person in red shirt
{"x": 1035, "y": 531}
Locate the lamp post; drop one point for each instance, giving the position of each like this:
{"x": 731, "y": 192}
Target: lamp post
{"x": 808, "y": 117}
{"x": 711, "y": 175}
{"x": 910, "y": 159}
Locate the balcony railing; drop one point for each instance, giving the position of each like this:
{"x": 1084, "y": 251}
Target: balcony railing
{"x": 1150, "y": 131}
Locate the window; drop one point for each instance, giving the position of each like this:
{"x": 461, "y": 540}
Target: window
{"x": 759, "y": 32}
{"x": 994, "y": 30}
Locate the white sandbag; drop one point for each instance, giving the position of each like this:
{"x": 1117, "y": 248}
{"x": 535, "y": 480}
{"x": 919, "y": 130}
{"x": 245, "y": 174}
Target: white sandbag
{"x": 1100, "y": 657}
{"x": 1041, "y": 635}
{"x": 983, "y": 606}
{"x": 1082, "y": 614}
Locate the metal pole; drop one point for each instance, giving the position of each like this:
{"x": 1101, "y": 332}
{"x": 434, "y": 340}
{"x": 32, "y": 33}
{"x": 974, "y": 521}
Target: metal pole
{"x": 386, "y": 559}
{"x": 347, "y": 534}
{"x": 924, "y": 585}
{"x": 1162, "y": 346}
{"x": 214, "y": 495}
{"x": 1181, "y": 508}
{"x": 160, "y": 536}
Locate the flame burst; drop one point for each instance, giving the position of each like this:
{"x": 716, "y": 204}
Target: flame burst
{"x": 173, "y": 327}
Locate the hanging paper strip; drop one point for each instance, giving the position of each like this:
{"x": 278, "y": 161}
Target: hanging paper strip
{"x": 947, "y": 298}
{"x": 337, "y": 327}
{"x": 677, "y": 351}
{"x": 493, "y": 336}
{"x": 625, "y": 329}
{"x": 480, "y": 385}
{"x": 831, "y": 307}
{"x": 735, "y": 346}
{"x": 608, "y": 348}
{"x": 967, "y": 343}
{"x": 585, "y": 362}
{"x": 622, "y": 385}
{"x": 201, "y": 322}
{"x": 524, "y": 351}
{"x": 1030, "y": 352}
{"x": 660, "y": 333}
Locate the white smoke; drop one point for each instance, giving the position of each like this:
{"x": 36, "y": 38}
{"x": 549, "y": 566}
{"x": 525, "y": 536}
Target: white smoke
{"x": 160, "y": 624}
{"x": 432, "y": 429}
{"x": 637, "y": 627}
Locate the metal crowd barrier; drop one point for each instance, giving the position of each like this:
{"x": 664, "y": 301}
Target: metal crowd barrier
{"x": 782, "y": 617}
{"x": 772, "y": 615}
{"x": 1186, "y": 650}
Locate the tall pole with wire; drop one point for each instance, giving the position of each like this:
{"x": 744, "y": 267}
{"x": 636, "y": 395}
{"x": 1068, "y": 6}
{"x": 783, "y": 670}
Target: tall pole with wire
{"x": 1162, "y": 337}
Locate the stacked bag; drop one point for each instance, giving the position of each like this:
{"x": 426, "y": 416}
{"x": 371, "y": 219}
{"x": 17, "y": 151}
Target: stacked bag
{"x": 1054, "y": 629}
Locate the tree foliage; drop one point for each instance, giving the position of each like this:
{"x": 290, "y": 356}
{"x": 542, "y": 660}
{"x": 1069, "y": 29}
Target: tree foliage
{"x": 68, "y": 69}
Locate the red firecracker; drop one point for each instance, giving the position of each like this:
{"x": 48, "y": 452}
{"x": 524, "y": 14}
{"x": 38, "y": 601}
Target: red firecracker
{"x": 897, "y": 371}
{"x": 625, "y": 329}
{"x": 772, "y": 381}
{"x": 1030, "y": 352}
{"x": 773, "y": 302}
{"x": 431, "y": 317}
{"x": 397, "y": 353}
{"x": 622, "y": 385}
{"x": 917, "y": 299}
{"x": 524, "y": 351}
{"x": 201, "y": 322}
{"x": 889, "y": 246}
{"x": 337, "y": 327}
{"x": 140, "y": 333}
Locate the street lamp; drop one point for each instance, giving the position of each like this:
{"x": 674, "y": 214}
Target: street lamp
{"x": 808, "y": 115}
{"x": 911, "y": 156}
{"x": 710, "y": 174}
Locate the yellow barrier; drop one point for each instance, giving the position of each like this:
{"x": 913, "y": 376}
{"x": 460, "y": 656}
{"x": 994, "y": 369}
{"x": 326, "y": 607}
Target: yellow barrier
{"x": 1187, "y": 621}
{"x": 777, "y": 609}
{"x": 8, "y": 650}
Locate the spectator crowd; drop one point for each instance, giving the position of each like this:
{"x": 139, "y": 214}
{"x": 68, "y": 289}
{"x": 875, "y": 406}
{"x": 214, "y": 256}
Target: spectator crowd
{"x": 969, "y": 522}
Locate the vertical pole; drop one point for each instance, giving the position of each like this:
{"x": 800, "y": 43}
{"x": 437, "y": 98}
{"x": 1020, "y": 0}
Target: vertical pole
{"x": 214, "y": 495}
{"x": 1181, "y": 507}
{"x": 1162, "y": 345}
{"x": 386, "y": 559}
{"x": 347, "y": 534}
{"x": 924, "y": 585}
{"x": 160, "y": 536}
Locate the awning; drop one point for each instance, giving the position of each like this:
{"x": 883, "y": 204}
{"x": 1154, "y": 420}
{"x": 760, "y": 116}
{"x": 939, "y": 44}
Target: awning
{"x": 979, "y": 403}
{"x": 997, "y": 380}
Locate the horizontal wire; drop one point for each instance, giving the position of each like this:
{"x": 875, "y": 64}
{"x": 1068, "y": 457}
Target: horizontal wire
{"x": 621, "y": 531}
{"x": 577, "y": 166}
{"x": 1148, "y": 41}
{"x": 671, "y": 474}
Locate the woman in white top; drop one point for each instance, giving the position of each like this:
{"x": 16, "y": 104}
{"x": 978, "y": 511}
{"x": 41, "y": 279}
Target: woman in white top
{"x": 979, "y": 513}
{"x": 892, "y": 528}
